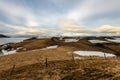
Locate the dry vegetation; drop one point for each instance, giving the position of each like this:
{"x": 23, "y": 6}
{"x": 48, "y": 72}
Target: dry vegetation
{"x": 30, "y": 64}
{"x": 82, "y": 44}
{"x": 95, "y": 69}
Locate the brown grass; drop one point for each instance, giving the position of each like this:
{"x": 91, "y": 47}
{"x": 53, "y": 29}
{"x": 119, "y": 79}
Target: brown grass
{"x": 34, "y": 56}
{"x": 82, "y": 44}
{"x": 30, "y": 64}
{"x": 96, "y": 69}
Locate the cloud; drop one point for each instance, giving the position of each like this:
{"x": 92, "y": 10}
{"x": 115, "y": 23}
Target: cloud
{"x": 108, "y": 29}
{"x": 4, "y": 28}
{"x": 15, "y": 13}
{"x": 36, "y": 31}
{"x": 76, "y": 34}
{"x": 32, "y": 31}
{"x": 20, "y": 29}
{"x": 71, "y": 26}
{"x": 90, "y": 8}
{"x": 59, "y": 16}
{"x": 24, "y": 16}
{"x": 68, "y": 27}
{"x": 80, "y": 12}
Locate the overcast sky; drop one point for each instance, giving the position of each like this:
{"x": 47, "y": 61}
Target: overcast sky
{"x": 82, "y": 17}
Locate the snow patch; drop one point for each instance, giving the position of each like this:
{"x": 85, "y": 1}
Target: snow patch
{"x": 93, "y": 53}
{"x": 78, "y": 57}
{"x": 8, "y": 52}
{"x": 50, "y": 47}
{"x": 98, "y": 41}
{"x": 19, "y": 48}
{"x": 71, "y": 40}
{"x": 117, "y": 40}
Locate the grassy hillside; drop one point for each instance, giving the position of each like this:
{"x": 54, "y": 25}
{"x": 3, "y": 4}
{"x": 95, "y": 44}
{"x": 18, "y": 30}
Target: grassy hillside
{"x": 82, "y": 44}
{"x": 30, "y": 64}
{"x": 30, "y": 57}
{"x": 95, "y": 69}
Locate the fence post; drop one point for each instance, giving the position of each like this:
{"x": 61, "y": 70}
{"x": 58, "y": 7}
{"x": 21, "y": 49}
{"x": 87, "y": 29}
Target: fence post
{"x": 105, "y": 56}
{"x": 91, "y": 58}
{"x": 12, "y": 70}
{"x": 46, "y": 62}
{"x": 73, "y": 57}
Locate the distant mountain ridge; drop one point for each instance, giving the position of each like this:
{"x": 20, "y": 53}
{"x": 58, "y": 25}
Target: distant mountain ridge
{"x": 4, "y": 36}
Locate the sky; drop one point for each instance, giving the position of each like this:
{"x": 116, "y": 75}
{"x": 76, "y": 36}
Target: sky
{"x": 66, "y": 17}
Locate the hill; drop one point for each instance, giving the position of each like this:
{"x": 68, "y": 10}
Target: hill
{"x": 34, "y": 61}
{"x": 3, "y": 36}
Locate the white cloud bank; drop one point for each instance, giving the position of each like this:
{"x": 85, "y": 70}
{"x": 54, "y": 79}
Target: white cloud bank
{"x": 71, "y": 26}
{"x": 65, "y": 26}
{"x": 108, "y": 29}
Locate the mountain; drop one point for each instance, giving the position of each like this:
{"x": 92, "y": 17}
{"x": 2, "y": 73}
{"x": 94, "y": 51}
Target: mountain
{"x": 21, "y": 36}
{"x": 3, "y": 36}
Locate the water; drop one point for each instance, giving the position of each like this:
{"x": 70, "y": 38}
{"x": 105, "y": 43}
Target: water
{"x": 10, "y": 40}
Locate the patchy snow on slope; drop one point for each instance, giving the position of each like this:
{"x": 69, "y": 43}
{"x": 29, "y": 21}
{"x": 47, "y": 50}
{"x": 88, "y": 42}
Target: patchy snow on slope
{"x": 19, "y": 48}
{"x": 71, "y": 40}
{"x": 98, "y": 41}
{"x": 50, "y": 47}
{"x": 77, "y": 57}
{"x": 8, "y": 52}
{"x": 117, "y": 40}
{"x": 93, "y": 53}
